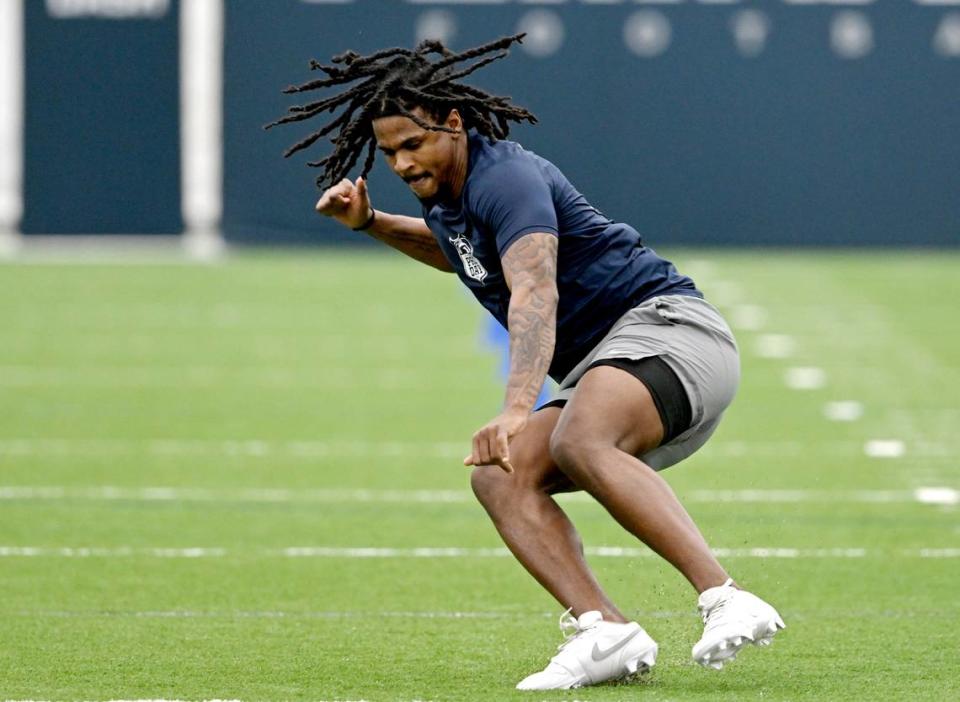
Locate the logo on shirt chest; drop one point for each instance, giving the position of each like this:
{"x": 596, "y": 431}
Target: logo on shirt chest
{"x": 471, "y": 266}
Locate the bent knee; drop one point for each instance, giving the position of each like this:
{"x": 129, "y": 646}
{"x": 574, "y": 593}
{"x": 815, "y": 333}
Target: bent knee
{"x": 583, "y": 459}
{"x": 487, "y": 482}
{"x": 573, "y": 454}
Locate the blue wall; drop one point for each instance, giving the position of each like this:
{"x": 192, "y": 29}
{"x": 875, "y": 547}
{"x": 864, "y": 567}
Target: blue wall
{"x": 699, "y": 144}
{"x": 101, "y": 142}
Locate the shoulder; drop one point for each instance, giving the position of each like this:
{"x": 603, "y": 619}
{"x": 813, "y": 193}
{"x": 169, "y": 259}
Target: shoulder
{"x": 505, "y": 169}
{"x": 493, "y": 159}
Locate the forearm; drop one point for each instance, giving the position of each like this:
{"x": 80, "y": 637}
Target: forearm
{"x": 532, "y": 319}
{"x": 410, "y": 236}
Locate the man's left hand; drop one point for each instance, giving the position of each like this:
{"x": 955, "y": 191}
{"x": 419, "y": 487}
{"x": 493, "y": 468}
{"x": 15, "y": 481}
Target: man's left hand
{"x": 491, "y": 445}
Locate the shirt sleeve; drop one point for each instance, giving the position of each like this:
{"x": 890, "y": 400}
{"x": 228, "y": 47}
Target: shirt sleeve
{"x": 514, "y": 199}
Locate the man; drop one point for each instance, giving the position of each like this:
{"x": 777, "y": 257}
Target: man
{"x": 645, "y": 365}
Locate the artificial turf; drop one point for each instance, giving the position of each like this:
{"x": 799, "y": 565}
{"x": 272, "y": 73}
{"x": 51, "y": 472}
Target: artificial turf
{"x": 276, "y": 401}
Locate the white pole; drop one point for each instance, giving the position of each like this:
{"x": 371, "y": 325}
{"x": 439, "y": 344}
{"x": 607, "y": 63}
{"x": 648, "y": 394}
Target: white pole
{"x": 11, "y": 125}
{"x": 201, "y": 125}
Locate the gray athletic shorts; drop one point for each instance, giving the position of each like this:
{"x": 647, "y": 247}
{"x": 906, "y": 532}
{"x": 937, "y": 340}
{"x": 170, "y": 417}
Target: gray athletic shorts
{"x": 693, "y": 339}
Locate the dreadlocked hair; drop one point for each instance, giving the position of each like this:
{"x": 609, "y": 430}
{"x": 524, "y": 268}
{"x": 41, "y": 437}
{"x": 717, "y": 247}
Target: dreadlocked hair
{"x": 395, "y": 82}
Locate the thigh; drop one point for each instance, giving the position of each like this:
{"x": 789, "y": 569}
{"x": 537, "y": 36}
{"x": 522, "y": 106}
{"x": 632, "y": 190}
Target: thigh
{"x": 611, "y": 407}
{"x": 530, "y": 454}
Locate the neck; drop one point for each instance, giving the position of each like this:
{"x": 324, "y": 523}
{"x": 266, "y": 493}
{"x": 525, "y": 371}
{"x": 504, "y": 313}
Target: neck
{"x": 460, "y": 166}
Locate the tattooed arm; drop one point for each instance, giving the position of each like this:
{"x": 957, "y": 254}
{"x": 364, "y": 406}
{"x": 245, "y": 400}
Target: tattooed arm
{"x": 530, "y": 268}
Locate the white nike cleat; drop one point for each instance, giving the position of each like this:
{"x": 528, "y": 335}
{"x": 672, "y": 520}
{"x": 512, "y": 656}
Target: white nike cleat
{"x": 594, "y": 651}
{"x": 732, "y": 618}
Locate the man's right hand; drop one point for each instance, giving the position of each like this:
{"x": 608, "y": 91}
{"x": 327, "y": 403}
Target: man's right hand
{"x": 346, "y": 202}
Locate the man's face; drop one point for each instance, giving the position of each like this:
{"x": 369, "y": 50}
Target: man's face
{"x": 425, "y": 159}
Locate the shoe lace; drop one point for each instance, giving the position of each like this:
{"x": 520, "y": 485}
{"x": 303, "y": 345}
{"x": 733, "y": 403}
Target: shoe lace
{"x": 569, "y": 627}
{"x": 715, "y": 611}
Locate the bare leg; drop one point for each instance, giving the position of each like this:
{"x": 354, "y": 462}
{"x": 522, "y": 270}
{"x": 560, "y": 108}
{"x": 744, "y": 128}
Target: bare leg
{"x": 532, "y": 524}
{"x": 609, "y": 421}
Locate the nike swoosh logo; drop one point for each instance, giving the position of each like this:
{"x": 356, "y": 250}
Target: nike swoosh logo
{"x": 598, "y": 655}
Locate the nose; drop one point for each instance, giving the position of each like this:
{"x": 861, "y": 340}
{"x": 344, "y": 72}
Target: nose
{"x": 402, "y": 164}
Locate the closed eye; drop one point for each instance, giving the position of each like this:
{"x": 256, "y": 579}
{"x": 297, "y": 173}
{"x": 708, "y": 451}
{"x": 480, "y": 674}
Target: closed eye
{"x": 405, "y": 146}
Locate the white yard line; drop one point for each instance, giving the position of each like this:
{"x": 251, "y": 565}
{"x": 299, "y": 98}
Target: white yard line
{"x": 885, "y": 448}
{"x": 805, "y": 378}
{"x": 723, "y": 293}
{"x": 843, "y": 410}
{"x": 193, "y": 377}
{"x": 937, "y": 495}
{"x": 278, "y": 614}
{"x": 775, "y": 346}
{"x": 432, "y": 552}
{"x": 232, "y": 447}
{"x": 780, "y": 496}
{"x": 269, "y": 495}
{"x": 333, "y": 615}
{"x": 748, "y": 317}
{"x": 927, "y": 495}
{"x": 394, "y": 449}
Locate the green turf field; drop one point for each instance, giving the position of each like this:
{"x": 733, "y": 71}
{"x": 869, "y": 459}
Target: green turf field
{"x": 197, "y": 464}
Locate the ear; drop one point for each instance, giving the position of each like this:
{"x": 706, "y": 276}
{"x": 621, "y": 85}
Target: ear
{"x": 454, "y": 120}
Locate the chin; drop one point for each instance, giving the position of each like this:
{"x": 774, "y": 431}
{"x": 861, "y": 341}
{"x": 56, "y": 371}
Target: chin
{"x": 425, "y": 193}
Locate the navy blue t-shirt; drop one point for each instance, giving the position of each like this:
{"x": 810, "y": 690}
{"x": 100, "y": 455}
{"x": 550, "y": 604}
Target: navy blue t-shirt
{"x": 603, "y": 268}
